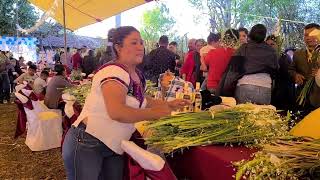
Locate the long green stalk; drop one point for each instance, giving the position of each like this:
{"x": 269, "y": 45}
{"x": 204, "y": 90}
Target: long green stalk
{"x": 245, "y": 124}
{"x": 302, "y": 98}
{"x": 283, "y": 160}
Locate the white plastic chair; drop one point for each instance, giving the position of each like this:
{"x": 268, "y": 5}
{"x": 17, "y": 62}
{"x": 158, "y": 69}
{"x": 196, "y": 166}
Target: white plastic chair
{"x": 44, "y": 126}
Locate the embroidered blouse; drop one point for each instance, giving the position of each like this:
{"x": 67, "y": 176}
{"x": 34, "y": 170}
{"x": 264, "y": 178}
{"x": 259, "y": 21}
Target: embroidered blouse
{"x": 99, "y": 123}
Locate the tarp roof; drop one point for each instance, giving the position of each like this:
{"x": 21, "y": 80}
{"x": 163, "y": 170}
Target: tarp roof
{"x": 80, "y": 13}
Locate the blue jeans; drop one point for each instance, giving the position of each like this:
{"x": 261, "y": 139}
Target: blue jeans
{"x": 204, "y": 84}
{"x": 87, "y": 158}
{"x": 247, "y": 93}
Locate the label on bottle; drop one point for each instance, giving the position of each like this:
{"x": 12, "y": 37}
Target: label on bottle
{"x": 186, "y": 97}
{"x": 197, "y": 102}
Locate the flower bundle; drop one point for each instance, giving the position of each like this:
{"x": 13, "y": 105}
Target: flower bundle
{"x": 305, "y": 92}
{"x": 246, "y": 124}
{"x": 80, "y": 92}
{"x": 315, "y": 58}
{"x": 151, "y": 88}
{"x": 76, "y": 75}
{"x": 283, "y": 160}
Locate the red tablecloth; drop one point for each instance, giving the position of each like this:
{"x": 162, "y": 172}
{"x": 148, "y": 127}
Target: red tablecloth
{"x": 208, "y": 162}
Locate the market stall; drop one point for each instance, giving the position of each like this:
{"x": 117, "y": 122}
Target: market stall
{"x": 216, "y": 139}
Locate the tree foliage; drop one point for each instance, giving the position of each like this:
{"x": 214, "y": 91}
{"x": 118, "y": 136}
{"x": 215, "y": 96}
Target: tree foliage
{"x": 13, "y": 12}
{"x": 156, "y": 22}
{"x": 49, "y": 28}
{"x": 223, "y": 14}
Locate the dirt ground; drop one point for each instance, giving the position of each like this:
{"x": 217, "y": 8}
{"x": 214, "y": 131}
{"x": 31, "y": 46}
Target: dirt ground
{"x": 17, "y": 161}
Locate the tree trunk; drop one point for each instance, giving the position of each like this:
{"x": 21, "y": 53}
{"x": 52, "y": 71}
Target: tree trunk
{"x": 227, "y": 4}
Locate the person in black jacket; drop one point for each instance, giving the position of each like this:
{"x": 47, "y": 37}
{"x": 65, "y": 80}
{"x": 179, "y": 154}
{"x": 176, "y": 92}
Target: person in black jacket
{"x": 88, "y": 64}
{"x": 283, "y": 87}
{"x": 259, "y": 68}
{"x": 4, "y": 78}
{"x": 160, "y": 60}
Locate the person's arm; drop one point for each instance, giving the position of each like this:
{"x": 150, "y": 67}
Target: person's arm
{"x": 292, "y": 70}
{"x": 186, "y": 65}
{"x": 67, "y": 83}
{"x": 274, "y": 62}
{"x": 173, "y": 105}
{"x": 206, "y": 59}
{"x": 172, "y": 65}
{"x": 114, "y": 95}
{"x": 20, "y": 79}
{"x": 317, "y": 78}
{"x": 203, "y": 66}
{"x": 154, "y": 102}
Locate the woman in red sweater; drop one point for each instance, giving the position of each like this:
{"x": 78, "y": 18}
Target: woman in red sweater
{"x": 191, "y": 66}
{"x": 218, "y": 59}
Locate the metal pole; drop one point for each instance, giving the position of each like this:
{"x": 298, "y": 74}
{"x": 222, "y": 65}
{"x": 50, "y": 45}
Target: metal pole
{"x": 118, "y": 20}
{"x": 64, "y": 31}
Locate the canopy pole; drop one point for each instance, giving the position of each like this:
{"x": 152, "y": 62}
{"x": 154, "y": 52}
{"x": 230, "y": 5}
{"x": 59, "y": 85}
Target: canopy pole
{"x": 64, "y": 31}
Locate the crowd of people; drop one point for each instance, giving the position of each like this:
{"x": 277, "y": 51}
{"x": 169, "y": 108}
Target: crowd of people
{"x": 37, "y": 74}
{"x": 246, "y": 65}
{"x": 265, "y": 74}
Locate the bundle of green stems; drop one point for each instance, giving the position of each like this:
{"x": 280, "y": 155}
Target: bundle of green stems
{"x": 283, "y": 160}
{"x": 245, "y": 124}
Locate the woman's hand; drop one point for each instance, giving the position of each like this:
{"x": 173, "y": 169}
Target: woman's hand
{"x": 314, "y": 72}
{"x": 178, "y": 104}
{"x": 299, "y": 79}
{"x": 161, "y": 111}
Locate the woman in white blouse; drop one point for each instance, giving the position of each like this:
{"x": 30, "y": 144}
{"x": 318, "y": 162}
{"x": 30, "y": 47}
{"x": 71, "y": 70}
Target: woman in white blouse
{"x": 91, "y": 149}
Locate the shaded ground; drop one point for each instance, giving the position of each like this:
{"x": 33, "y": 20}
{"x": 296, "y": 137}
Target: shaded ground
{"x": 17, "y": 161}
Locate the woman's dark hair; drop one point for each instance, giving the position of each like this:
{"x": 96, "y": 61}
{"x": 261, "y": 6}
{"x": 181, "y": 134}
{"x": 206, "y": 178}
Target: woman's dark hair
{"x": 213, "y": 37}
{"x": 231, "y": 37}
{"x": 258, "y": 33}
{"x": 111, "y": 34}
{"x": 245, "y": 30}
{"x": 163, "y": 40}
{"x": 173, "y": 43}
{"x": 201, "y": 41}
{"x": 120, "y": 34}
{"x": 46, "y": 73}
{"x": 29, "y": 63}
{"x": 272, "y": 37}
{"x": 32, "y": 66}
{"x": 59, "y": 68}
{"x": 91, "y": 52}
{"x": 312, "y": 25}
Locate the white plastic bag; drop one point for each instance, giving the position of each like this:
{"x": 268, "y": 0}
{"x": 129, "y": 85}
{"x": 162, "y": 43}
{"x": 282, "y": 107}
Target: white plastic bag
{"x": 145, "y": 159}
